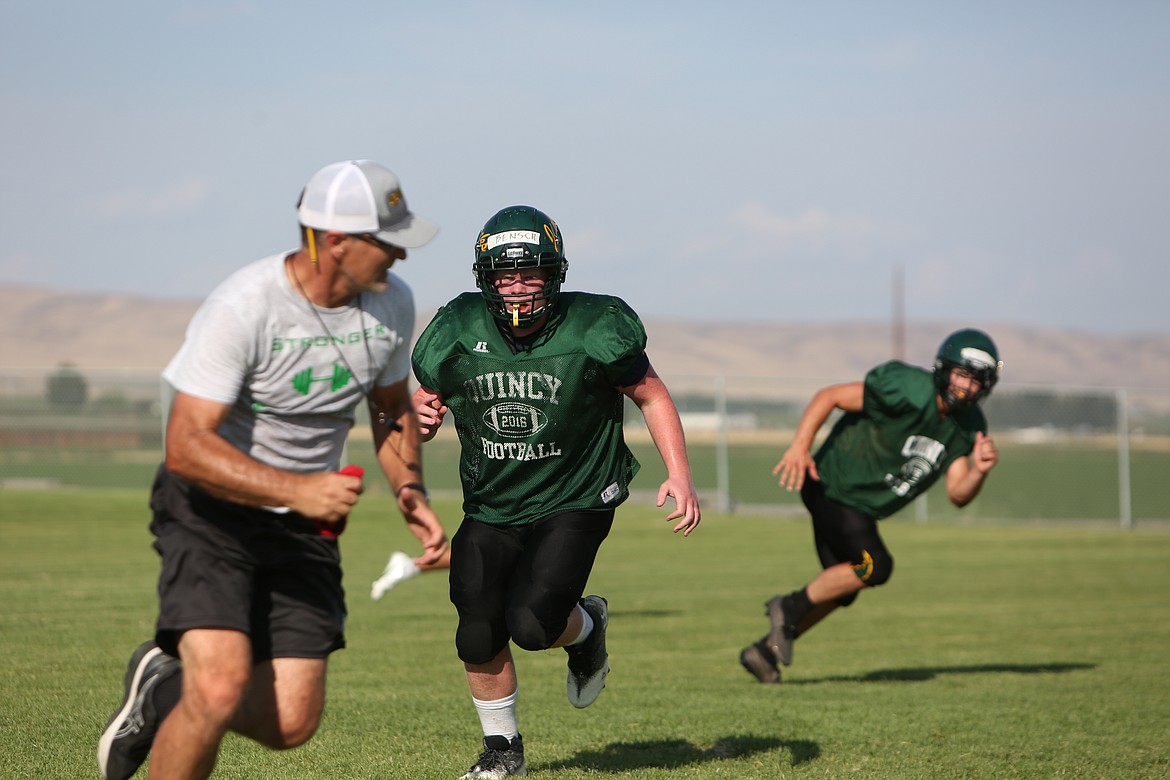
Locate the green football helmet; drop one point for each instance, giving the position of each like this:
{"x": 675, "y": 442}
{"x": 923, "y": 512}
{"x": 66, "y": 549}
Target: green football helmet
{"x": 516, "y": 238}
{"x": 972, "y": 351}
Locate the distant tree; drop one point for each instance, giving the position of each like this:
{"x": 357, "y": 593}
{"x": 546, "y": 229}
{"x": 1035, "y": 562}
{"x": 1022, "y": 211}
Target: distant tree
{"x": 67, "y": 388}
{"x": 111, "y": 402}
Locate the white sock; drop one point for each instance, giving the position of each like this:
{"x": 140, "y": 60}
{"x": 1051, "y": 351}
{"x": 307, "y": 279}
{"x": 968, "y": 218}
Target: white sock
{"x": 586, "y": 627}
{"x": 499, "y": 716}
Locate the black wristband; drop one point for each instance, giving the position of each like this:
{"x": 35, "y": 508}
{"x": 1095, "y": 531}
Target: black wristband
{"x": 415, "y": 486}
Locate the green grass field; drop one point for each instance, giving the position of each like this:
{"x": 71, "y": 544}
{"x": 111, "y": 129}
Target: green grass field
{"x": 997, "y": 651}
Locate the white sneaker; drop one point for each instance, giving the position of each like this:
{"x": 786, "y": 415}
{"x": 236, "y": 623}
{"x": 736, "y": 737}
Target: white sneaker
{"x": 399, "y": 569}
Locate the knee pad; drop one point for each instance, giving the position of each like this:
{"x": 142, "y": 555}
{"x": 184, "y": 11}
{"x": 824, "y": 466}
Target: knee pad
{"x": 528, "y": 632}
{"x": 477, "y": 643}
{"x": 874, "y": 569}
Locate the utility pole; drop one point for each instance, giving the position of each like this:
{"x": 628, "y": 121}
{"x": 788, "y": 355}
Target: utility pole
{"x": 898, "y": 314}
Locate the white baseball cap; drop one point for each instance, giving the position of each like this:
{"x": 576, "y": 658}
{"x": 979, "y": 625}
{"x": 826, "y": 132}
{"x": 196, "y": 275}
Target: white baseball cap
{"x": 361, "y": 196}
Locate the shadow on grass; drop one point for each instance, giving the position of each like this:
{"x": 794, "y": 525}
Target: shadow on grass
{"x": 675, "y": 753}
{"x": 930, "y": 672}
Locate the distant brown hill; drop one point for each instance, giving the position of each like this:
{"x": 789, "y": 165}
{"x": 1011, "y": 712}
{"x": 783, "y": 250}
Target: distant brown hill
{"x": 43, "y": 328}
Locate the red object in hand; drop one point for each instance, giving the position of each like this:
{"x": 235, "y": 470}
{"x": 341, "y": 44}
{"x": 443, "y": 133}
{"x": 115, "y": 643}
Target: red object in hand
{"x": 335, "y": 530}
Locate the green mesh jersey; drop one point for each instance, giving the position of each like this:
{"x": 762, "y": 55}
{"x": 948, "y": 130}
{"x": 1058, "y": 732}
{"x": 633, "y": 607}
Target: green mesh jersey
{"x": 540, "y": 431}
{"x": 879, "y": 459}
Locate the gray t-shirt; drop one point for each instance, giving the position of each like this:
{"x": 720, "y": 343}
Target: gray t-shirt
{"x": 293, "y": 378}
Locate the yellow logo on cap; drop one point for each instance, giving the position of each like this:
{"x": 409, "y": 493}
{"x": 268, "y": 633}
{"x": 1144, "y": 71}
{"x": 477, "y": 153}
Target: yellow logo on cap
{"x": 394, "y": 198}
{"x": 551, "y": 232}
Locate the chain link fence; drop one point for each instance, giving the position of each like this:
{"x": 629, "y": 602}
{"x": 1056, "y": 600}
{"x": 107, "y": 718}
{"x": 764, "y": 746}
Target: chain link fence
{"x": 1078, "y": 454}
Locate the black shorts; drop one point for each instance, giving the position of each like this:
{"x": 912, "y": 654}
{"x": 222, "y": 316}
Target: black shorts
{"x": 520, "y": 583}
{"x": 224, "y": 565}
{"x": 841, "y": 533}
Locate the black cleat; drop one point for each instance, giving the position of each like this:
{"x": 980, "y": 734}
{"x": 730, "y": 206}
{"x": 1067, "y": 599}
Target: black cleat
{"x": 588, "y": 661}
{"x": 781, "y": 636}
{"x": 760, "y": 663}
{"x": 500, "y": 758}
{"x": 126, "y": 741}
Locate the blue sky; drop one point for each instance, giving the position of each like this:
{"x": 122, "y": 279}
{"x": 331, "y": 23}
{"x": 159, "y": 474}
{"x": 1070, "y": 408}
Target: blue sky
{"x": 740, "y": 161}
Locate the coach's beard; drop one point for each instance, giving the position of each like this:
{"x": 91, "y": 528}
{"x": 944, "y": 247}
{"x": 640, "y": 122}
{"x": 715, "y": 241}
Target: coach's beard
{"x": 365, "y": 287}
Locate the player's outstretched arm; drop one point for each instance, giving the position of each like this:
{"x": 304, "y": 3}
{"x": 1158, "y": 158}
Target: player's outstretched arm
{"x": 797, "y": 459}
{"x": 653, "y": 400}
